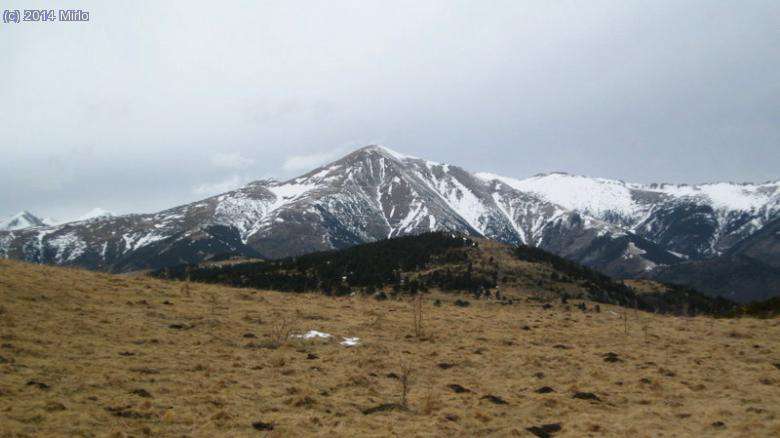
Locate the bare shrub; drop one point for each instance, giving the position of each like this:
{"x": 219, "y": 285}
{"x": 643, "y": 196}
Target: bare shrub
{"x": 377, "y": 321}
{"x": 213, "y": 302}
{"x": 418, "y": 316}
{"x": 185, "y": 289}
{"x": 406, "y": 382}
{"x": 280, "y": 332}
{"x": 430, "y": 403}
{"x": 625, "y": 321}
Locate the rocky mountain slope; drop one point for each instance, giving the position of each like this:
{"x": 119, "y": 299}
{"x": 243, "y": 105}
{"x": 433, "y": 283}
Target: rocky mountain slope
{"x": 374, "y": 193}
{"x": 750, "y": 270}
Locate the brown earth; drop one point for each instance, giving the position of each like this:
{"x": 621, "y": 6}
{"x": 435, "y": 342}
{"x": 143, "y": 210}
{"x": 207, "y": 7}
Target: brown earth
{"x": 89, "y": 354}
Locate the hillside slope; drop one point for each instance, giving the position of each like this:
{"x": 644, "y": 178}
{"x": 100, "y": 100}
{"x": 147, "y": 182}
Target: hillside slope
{"x": 85, "y": 353}
{"x": 448, "y": 262}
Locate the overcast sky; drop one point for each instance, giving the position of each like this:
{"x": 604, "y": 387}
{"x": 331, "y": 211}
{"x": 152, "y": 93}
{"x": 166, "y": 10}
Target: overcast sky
{"x": 154, "y": 104}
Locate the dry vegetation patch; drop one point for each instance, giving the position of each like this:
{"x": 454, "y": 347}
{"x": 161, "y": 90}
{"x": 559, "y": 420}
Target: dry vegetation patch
{"x": 91, "y": 354}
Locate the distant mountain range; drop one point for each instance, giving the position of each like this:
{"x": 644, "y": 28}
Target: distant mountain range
{"x": 623, "y": 229}
{"x": 25, "y": 219}
{"x": 22, "y": 220}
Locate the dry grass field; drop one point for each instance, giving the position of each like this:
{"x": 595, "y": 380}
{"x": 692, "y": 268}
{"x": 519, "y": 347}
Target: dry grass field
{"x": 90, "y": 354}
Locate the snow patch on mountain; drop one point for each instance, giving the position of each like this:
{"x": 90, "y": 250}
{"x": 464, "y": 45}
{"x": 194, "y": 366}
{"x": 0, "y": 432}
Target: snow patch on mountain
{"x": 417, "y": 212}
{"x": 598, "y": 196}
{"x": 725, "y": 196}
{"x": 594, "y": 196}
{"x": 5, "y": 242}
{"x": 139, "y": 240}
{"x": 241, "y": 211}
{"x": 68, "y": 247}
{"x": 288, "y": 193}
{"x": 468, "y": 206}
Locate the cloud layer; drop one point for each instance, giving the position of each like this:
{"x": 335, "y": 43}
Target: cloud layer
{"x": 297, "y": 163}
{"x": 231, "y": 160}
{"x": 149, "y": 100}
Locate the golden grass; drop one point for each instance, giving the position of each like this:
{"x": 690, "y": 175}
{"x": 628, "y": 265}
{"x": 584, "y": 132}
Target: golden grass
{"x": 112, "y": 364}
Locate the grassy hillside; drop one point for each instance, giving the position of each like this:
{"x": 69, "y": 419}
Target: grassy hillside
{"x": 89, "y": 354}
{"x": 446, "y": 262}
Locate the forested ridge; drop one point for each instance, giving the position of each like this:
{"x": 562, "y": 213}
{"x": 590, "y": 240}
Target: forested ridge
{"x": 444, "y": 261}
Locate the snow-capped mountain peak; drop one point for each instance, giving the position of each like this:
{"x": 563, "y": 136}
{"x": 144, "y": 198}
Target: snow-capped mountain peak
{"x": 21, "y": 220}
{"x": 374, "y": 192}
{"x": 95, "y": 213}
{"x": 386, "y": 151}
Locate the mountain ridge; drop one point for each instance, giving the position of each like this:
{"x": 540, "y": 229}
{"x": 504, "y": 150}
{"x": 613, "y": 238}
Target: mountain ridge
{"x": 375, "y": 193}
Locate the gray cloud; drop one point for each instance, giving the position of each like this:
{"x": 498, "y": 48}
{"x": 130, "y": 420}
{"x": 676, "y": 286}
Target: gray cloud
{"x": 309, "y": 161}
{"x": 215, "y": 188}
{"x": 128, "y": 111}
{"x": 231, "y": 160}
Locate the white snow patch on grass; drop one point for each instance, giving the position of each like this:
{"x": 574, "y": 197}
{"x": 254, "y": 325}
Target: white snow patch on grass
{"x": 314, "y": 334}
{"x": 350, "y": 342}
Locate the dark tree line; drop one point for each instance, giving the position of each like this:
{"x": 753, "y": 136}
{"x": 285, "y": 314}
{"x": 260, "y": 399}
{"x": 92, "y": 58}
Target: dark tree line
{"x": 440, "y": 260}
{"x": 367, "y": 268}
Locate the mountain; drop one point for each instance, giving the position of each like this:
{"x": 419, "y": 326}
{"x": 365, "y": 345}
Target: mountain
{"x": 748, "y": 271}
{"x": 21, "y": 220}
{"x": 25, "y": 219}
{"x": 693, "y": 221}
{"x": 447, "y": 262}
{"x": 371, "y": 194}
{"x": 763, "y": 245}
{"x": 622, "y": 229}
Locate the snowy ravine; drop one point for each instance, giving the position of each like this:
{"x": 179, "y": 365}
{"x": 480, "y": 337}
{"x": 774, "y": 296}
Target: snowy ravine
{"x": 373, "y": 193}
